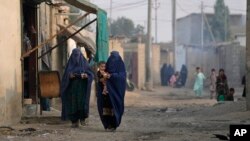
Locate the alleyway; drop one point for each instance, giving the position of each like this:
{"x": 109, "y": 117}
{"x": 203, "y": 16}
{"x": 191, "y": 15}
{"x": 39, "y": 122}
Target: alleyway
{"x": 163, "y": 115}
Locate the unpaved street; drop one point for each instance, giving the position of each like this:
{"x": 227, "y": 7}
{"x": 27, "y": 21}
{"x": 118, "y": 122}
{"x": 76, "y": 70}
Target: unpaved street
{"x": 163, "y": 115}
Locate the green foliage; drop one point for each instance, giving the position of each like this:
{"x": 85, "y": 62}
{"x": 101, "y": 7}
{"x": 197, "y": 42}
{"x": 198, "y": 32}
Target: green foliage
{"x": 125, "y": 27}
{"x": 220, "y": 21}
{"x": 122, "y": 26}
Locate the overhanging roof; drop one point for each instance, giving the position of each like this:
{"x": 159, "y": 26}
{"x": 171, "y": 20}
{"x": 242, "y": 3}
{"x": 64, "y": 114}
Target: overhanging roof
{"x": 84, "y": 5}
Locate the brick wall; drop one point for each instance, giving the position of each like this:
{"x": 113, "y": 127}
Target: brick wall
{"x": 134, "y": 53}
{"x": 156, "y": 64}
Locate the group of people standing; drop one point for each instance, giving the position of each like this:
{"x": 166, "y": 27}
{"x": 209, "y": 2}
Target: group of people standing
{"x": 170, "y": 77}
{"x": 219, "y": 88}
{"x": 76, "y": 89}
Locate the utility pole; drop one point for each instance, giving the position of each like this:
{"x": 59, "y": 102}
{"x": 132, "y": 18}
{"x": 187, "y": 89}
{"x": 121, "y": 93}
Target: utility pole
{"x": 148, "y": 50}
{"x": 157, "y": 5}
{"x": 202, "y": 25}
{"x": 202, "y": 34}
{"x": 174, "y": 29}
{"x": 110, "y": 11}
{"x": 247, "y": 85}
{"x": 225, "y": 25}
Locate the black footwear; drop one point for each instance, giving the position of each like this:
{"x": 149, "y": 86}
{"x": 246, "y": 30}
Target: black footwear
{"x": 110, "y": 129}
{"x": 75, "y": 124}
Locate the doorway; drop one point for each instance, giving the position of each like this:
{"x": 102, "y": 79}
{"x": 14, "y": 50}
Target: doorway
{"x": 30, "y": 39}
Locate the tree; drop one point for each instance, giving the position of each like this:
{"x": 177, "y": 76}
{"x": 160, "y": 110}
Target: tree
{"x": 220, "y": 21}
{"x": 122, "y": 26}
{"x": 126, "y": 27}
{"x": 139, "y": 30}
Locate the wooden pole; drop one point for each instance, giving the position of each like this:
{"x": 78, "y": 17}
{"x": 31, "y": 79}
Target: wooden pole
{"x": 26, "y": 54}
{"x": 67, "y": 38}
{"x": 174, "y": 30}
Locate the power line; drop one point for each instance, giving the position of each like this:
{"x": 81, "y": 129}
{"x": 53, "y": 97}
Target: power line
{"x": 182, "y": 8}
{"x": 129, "y": 4}
{"x": 130, "y": 7}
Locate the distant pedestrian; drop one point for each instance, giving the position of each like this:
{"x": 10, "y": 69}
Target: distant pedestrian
{"x": 212, "y": 84}
{"x": 230, "y": 95}
{"x": 75, "y": 89}
{"x": 173, "y": 79}
{"x": 164, "y": 81}
{"x": 198, "y": 85}
{"x": 183, "y": 75}
{"x": 111, "y": 104}
{"x": 221, "y": 86}
{"x": 169, "y": 72}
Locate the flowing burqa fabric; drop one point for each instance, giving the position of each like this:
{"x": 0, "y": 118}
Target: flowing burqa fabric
{"x": 116, "y": 86}
{"x": 183, "y": 75}
{"x": 77, "y": 64}
{"x": 164, "y": 79}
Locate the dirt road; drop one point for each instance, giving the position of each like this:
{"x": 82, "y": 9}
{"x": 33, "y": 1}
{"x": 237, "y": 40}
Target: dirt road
{"x": 163, "y": 115}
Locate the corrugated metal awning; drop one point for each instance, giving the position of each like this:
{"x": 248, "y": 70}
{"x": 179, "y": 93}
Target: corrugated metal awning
{"x": 83, "y": 5}
{"x": 83, "y": 37}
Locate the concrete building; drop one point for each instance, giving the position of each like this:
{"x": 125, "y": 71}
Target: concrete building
{"x": 28, "y": 26}
{"x": 10, "y": 73}
{"x": 134, "y": 58}
{"x": 241, "y": 38}
{"x": 229, "y": 56}
{"x": 166, "y": 50}
{"x": 116, "y": 45}
{"x": 24, "y": 27}
{"x": 188, "y": 29}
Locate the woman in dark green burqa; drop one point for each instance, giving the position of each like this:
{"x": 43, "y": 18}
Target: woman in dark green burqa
{"x": 75, "y": 89}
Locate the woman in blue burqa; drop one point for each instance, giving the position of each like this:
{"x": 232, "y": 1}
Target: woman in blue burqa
{"x": 183, "y": 73}
{"x": 164, "y": 77}
{"x": 111, "y": 105}
{"x": 75, "y": 89}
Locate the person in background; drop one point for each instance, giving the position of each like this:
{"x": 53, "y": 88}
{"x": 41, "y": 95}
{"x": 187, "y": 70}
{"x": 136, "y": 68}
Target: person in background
{"x": 212, "y": 84}
{"x": 164, "y": 81}
{"x": 230, "y": 95}
{"x": 169, "y": 72}
{"x": 198, "y": 85}
{"x": 173, "y": 79}
{"x": 183, "y": 75}
{"x": 221, "y": 86}
{"x": 75, "y": 89}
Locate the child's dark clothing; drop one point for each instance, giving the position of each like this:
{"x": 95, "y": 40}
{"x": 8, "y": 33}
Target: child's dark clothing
{"x": 230, "y": 98}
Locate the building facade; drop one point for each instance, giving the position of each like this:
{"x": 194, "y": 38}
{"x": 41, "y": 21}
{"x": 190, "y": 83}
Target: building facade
{"x": 188, "y": 29}
{"x": 10, "y": 73}
{"x": 25, "y": 26}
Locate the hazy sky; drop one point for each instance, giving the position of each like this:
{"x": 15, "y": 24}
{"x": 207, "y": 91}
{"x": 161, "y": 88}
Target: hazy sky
{"x": 137, "y": 11}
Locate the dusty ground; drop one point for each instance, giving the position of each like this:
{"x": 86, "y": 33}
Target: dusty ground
{"x": 163, "y": 115}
